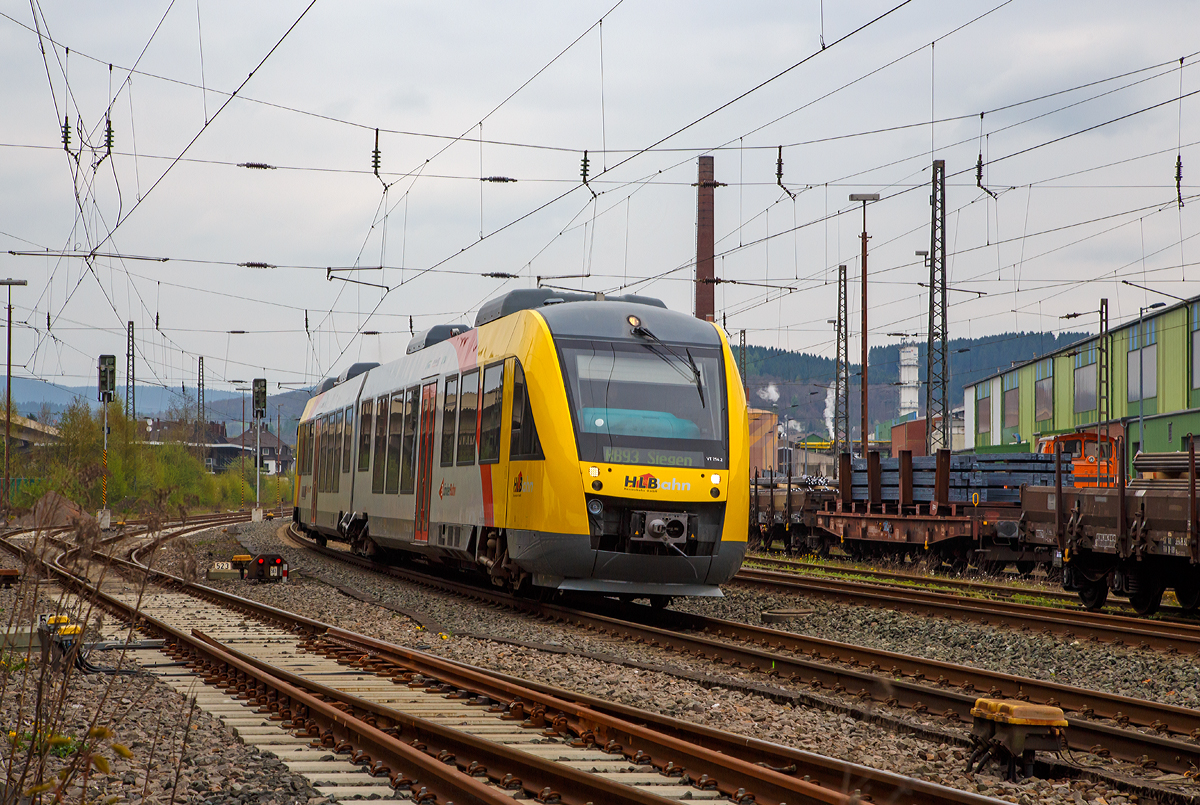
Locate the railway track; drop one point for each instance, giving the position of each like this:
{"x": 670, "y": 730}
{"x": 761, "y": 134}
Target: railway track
{"x": 981, "y": 589}
{"x": 425, "y": 729}
{"x": 1137, "y": 731}
{"x": 1161, "y": 635}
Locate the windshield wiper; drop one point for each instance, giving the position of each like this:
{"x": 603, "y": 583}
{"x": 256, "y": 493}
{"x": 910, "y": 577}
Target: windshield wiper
{"x": 696, "y": 375}
{"x": 642, "y": 331}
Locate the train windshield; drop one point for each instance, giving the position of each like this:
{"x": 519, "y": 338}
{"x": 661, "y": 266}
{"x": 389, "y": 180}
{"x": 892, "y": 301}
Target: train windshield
{"x": 647, "y": 403}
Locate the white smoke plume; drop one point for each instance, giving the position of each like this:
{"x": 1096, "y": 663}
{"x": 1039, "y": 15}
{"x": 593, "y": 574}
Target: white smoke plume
{"x": 770, "y": 393}
{"x": 794, "y": 425}
{"x": 829, "y": 411}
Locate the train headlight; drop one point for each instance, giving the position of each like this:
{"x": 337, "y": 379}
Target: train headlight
{"x": 594, "y": 472}
{"x": 634, "y": 321}
{"x": 716, "y": 477}
{"x": 596, "y": 507}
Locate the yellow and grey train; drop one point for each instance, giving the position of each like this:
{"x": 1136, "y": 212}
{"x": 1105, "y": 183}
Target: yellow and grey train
{"x": 565, "y": 442}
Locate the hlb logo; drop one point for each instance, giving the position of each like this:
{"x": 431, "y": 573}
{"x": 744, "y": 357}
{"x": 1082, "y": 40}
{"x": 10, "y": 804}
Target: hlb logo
{"x": 649, "y": 482}
{"x": 646, "y": 481}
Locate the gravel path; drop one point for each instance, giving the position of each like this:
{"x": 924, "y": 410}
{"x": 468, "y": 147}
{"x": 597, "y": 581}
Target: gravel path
{"x": 820, "y": 730}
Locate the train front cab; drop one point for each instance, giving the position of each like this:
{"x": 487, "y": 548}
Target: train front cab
{"x": 627, "y": 496}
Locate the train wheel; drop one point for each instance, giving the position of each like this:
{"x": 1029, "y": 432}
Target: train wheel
{"x": 1094, "y": 595}
{"x": 1145, "y": 602}
{"x": 1026, "y": 568}
{"x": 660, "y": 601}
{"x": 1188, "y": 595}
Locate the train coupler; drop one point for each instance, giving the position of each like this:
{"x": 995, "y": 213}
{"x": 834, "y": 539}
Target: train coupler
{"x": 1010, "y": 732}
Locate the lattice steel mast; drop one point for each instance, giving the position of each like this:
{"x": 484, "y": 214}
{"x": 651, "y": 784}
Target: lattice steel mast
{"x": 937, "y": 363}
{"x": 841, "y": 372}
{"x": 130, "y": 380}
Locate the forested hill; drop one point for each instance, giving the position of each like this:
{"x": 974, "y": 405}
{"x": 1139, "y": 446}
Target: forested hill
{"x": 796, "y": 377}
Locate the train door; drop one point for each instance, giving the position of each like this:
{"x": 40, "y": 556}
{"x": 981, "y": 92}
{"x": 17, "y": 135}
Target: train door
{"x": 425, "y": 459}
{"x": 316, "y": 468}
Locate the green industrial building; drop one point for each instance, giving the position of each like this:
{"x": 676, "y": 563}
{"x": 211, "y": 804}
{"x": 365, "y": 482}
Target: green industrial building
{"x": 1058, "y": 392}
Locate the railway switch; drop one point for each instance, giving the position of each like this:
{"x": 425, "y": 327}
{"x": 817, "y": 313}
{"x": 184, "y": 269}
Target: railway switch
{"x": 1011, "y": 731}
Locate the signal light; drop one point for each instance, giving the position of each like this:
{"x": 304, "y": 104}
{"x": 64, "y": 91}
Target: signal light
{"x": 260, "y": 560}
{"x": 278, "y": 561}
{"x": 260, "y": 397}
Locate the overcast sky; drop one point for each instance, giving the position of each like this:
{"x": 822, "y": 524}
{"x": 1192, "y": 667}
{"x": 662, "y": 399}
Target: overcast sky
{"x": 1071, "y": 212}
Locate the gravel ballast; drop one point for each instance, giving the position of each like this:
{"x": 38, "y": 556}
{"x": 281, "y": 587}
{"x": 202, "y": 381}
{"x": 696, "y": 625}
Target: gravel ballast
{"x": 827, "y": 732}
{"x": 176, "y": 752}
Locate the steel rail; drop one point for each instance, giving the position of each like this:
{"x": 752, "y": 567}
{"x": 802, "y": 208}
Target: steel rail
{"x": 892, "y": 679}
{"x": 667, "y": 752}
{"x": 1170, "y": 637}
{"x": 981, "y": 587}
{"x": 872, "y": 784}
{"x": 329, "y": 716}
{"x": 932, "y": 582}
{"x": 537, "y": 775}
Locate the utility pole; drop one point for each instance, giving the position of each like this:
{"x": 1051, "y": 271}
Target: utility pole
{"x": 278, "y": 456}
{"x": 864, "y": 198}
{"x": 242, "y": 457}
{"x": 937, "y": 357}
{"x": 8, "y": 283}
{"x": 841, "y": 373}
{"x": 1103, "y": 403}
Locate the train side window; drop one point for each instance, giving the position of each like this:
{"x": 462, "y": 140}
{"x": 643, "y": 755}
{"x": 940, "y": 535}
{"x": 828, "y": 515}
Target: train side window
{"x": 318, "y": 445}
{"x": 449, "y": 414}
{"x": 491, "y": 414}
{"x": 335, "y": 466}
{"x": 322, "y": 428}
{"x": 408, "y": 472}
{"x": 308, "y": 449}
{"x": 381, "y": 423}
{"x": 300, "y": 448}
{"x": 364, "y": 436}
{"x": 327, "y": 434}
{"x": 468, "y": 408}
{"x": 312, "y": 445}
{"x": 347, "y": 438}
{"x": 395, "y": 434}
{"x": 525, "y": 444}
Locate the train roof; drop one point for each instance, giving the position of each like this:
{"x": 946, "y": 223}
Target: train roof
{"x": 608, "y": 321}
{"x": 434, "y": 335}
{"x": 536, "y": 298}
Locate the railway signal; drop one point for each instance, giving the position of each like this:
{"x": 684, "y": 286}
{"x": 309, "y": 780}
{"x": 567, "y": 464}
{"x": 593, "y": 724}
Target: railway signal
{"x": 259, "y": 406}
{"x": 107, "y": 384}
{"x": 260, "y": 397}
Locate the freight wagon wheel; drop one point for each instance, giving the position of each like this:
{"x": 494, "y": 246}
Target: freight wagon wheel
{"x": 1094, "y": 595}
{"x": 1188, "y": 595}
{"x": 1026, "y": 568}
{"x": 1145, "y": 602}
